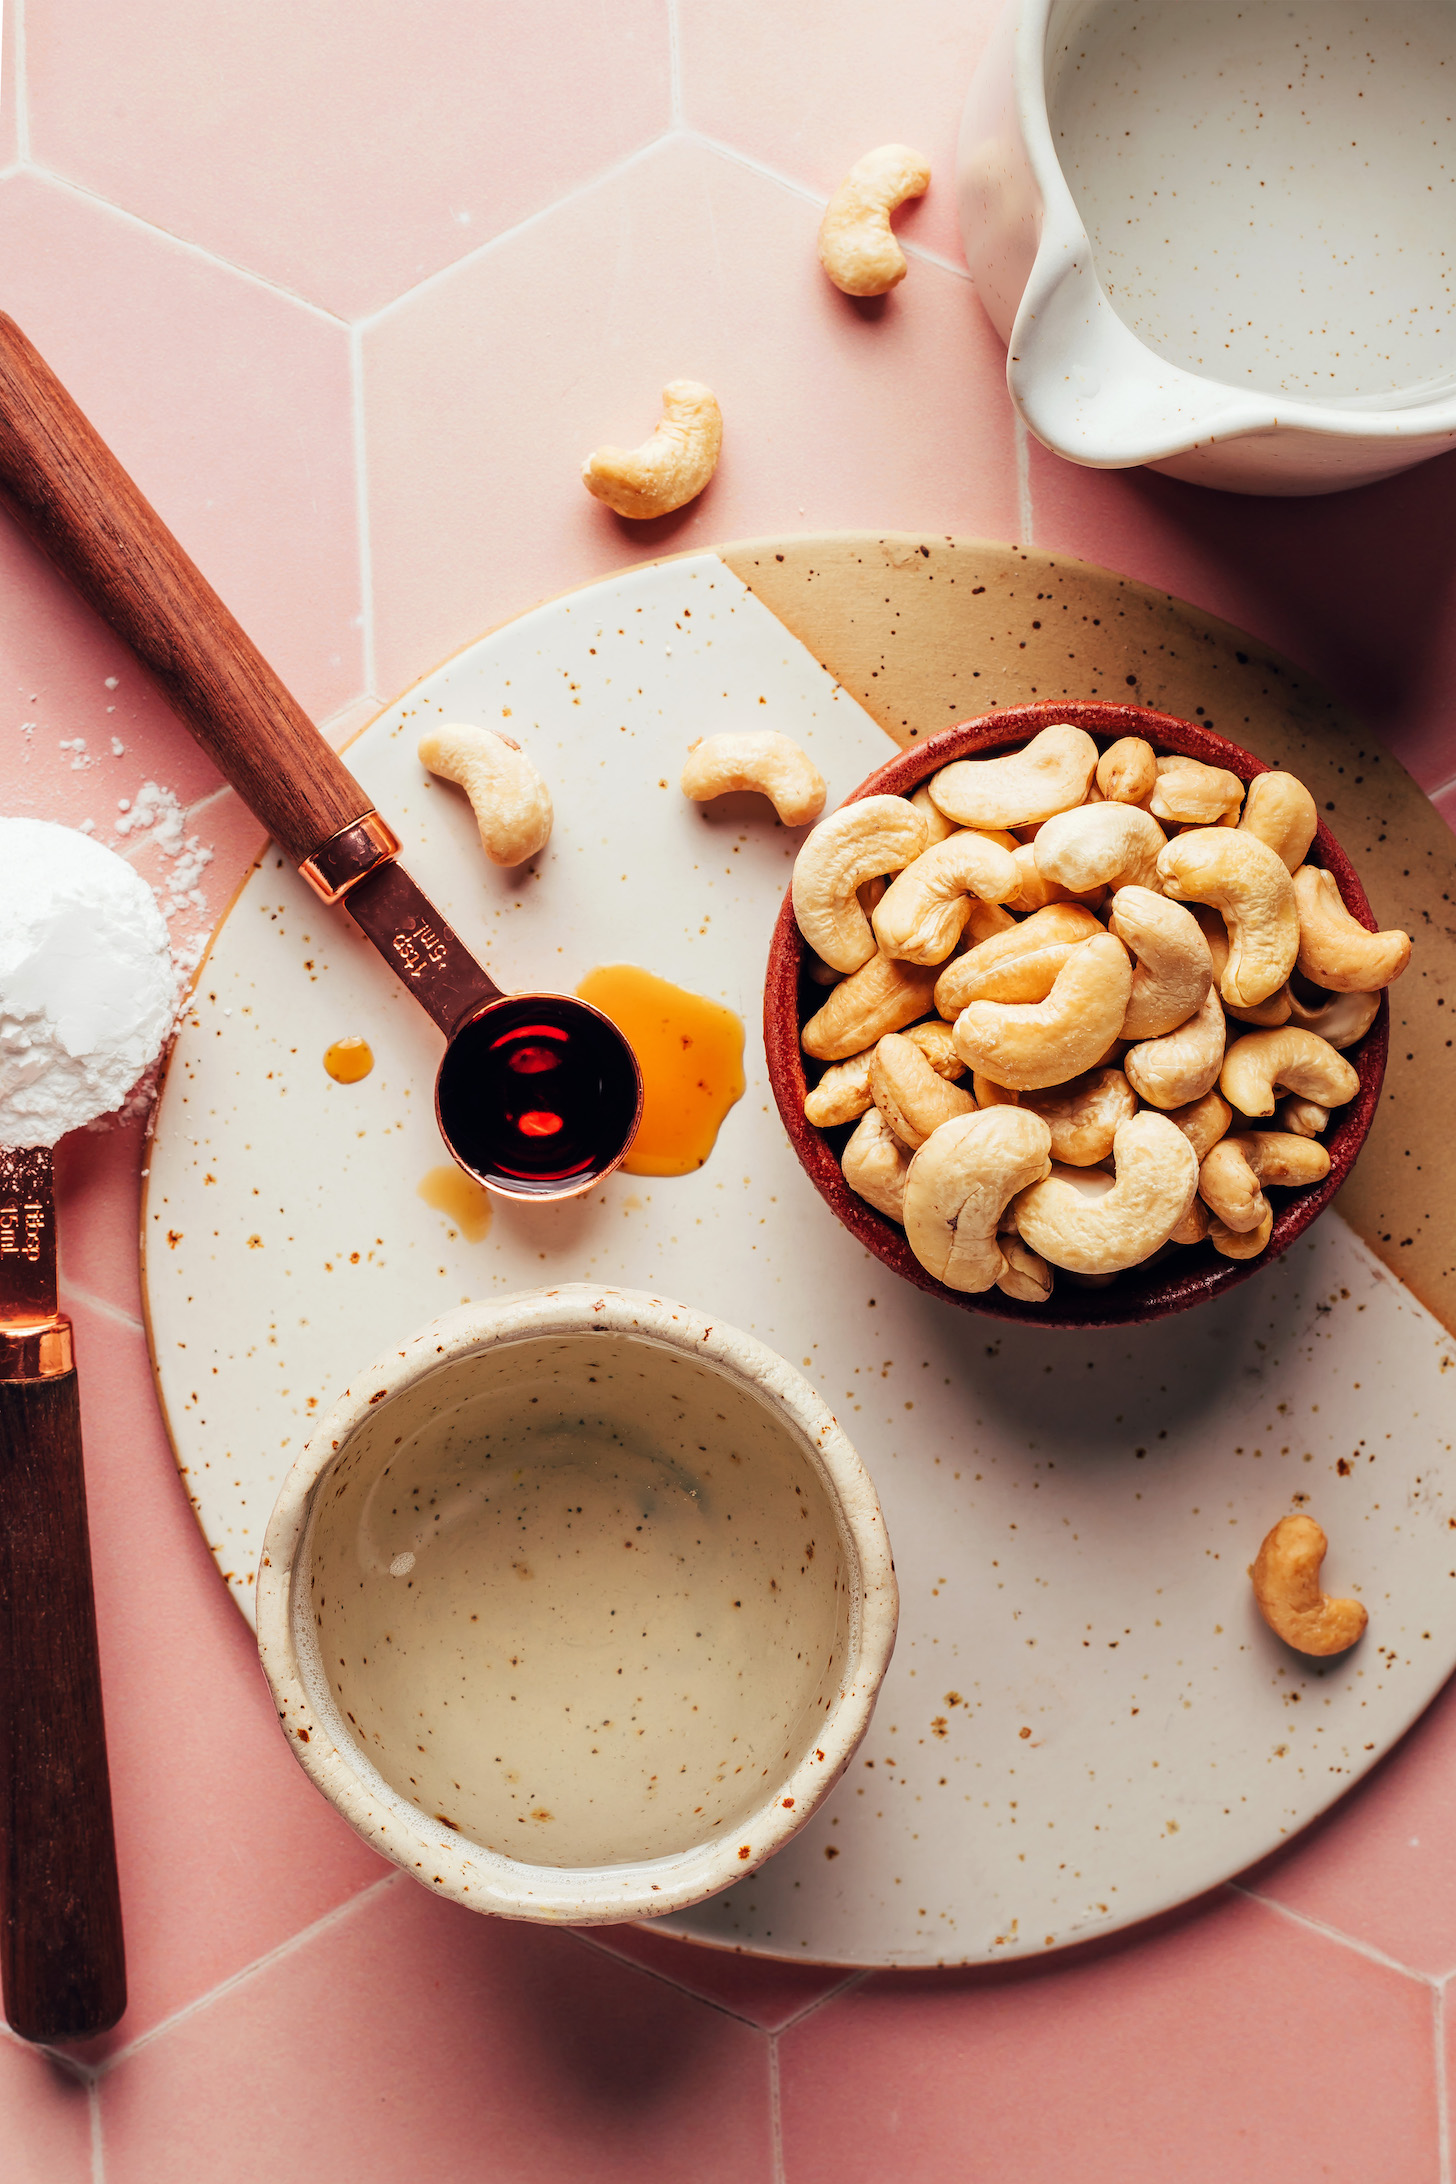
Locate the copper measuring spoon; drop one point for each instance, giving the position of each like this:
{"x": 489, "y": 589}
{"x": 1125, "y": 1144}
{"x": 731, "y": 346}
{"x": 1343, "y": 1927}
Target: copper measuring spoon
{"x": 538, "y": 1095}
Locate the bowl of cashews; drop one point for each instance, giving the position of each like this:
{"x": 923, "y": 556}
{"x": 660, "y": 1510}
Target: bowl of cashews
{"x": 1076, "y": 1013}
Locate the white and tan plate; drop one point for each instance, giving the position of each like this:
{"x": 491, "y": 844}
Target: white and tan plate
{"x": 1085, "y": 1721}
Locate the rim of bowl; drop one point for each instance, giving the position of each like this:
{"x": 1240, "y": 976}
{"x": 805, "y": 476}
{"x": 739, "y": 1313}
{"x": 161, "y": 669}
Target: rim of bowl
{"x": 452, "y": 1863}
{"x": 1138, "y": 1294}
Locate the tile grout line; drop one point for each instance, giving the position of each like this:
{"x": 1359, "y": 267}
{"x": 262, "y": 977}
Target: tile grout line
{"x": 1443, "y": 2098}
{"x": 775, "y": 2111}
{"x": 665, "y": 1979}
{"x": 270, "y": 1957}
{"x": 22, "y": 87}
{"x": 846, "y": 1985}
{"x": 94, "y": 1303}
{"x": 1023, "y": 477}
{"x": 810, "y": 196}
{"x": 1332, "y": 1933}
{"x": 363, "y": 534}
{"x": 98, "y": 2147}
{"x": 1442, "y": 788}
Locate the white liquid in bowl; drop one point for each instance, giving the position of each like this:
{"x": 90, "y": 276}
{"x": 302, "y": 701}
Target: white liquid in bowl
{"x": 1269, "y": 190}
{"x": 579, "y": 1599}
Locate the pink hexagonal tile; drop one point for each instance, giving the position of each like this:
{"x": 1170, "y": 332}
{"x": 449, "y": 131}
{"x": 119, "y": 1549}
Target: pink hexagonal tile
{"x": 480, "y": 407}
{"x": 230, "y": 405}
{"x": 9, "y": 88}
{"x": 1382, "y": 1864}
{"x": 415, "y": 2039}
{"x": 1356, "y": 586}
{"x": 46, "y": 2134}
{"x": 809, "y": 89}
{"x": 762, "y": 1989}
{"x": 344, "y": 153}
{"x": 1237, "y": 2045}
{"x": 225, "y": 1849}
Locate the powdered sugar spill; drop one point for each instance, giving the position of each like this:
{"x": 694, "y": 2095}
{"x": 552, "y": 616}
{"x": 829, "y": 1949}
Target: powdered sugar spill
{"x": 155, "y": 815}
{"x": 88, "y": 990}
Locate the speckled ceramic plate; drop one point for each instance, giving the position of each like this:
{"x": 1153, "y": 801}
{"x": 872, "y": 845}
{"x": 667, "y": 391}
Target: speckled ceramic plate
{"x": 1085, "y": 1721}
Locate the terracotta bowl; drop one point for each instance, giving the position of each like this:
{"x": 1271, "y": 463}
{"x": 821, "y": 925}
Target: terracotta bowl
{"x": 1142, "y": 1293}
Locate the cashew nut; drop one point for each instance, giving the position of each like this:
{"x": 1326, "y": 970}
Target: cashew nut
{"x": 672, "y": 467}
{"x": 924, "y": 910}
{"x": 911, "y": 1094}
{"x": 1203, "y": 1122}
{"x": 1020, "y": 964}
{"x": 1083, "y": 1116}
{"x": 1027, "y": 1277}
{"x": 1281, "y": 811}
{"x": 992, "y": 1095}
{"x": 1343, "y": 1019}
{"x": 937, "y": 827}
{"x": 1034, "y": 891}
{"x": 1026, "y": 1045}
{"x": 1127, "y": 771}
{"x": 1190, "y": 794}
{"x": 758, "y": 759}
{"x": 1182, "y": 1065}
{"x": 875, "y": 1165}
{"x": 1247, "y": 881}
{"x": 1335, "y": 951}
{"x": 1194, "y": 1225}
{"x": 1304, "y": 1118}
{"x": 1294, "y": 1060}
{"x": 858, "y": 842}
{"x": 960, "y": 1183}
{"x": 1230, "y": 1189}
{"x": 511, "y": 802}
{"x": 1155, "y": 1184}
{"x": 1286, "y": 1574}
{"x": 1049, "y": 774}
{"x": 1172, "y": 969}
{"x": 1266, "y": 1014}
{"x": 1240, "y": 1243}
{"x": 1100, "y": 845}
{"x": 882, "y": 995}
{"x": 857, "y": 247}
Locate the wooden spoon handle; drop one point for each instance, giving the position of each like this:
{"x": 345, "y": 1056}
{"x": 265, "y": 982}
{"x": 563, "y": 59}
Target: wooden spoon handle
{"x": 68, "y": 491}
{"x": 61, "y": 1958}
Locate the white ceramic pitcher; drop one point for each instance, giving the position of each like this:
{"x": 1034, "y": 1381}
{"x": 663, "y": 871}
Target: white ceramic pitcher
{"x": 1214, "y": 233}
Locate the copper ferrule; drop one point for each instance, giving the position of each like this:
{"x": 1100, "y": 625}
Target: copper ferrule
{"x": 41, "y": 1351}
{"x": 349, "y": 856}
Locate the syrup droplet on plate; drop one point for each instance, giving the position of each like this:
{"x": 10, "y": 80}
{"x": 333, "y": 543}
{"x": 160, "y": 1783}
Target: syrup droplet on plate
{"x": 347, "y": 1060}
{"x": 460, "y": 1198}
{"x": 690, "y": 1052}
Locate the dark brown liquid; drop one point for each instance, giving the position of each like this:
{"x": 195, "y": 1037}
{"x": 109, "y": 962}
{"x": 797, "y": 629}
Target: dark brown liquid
{"x": 538, "y": 1093}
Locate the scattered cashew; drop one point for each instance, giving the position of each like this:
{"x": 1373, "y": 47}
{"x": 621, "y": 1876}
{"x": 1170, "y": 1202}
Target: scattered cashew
{"x": 1203, "y": 1122}
{"x": 882, "y": 995}
{"x": 1342, "y": 1019}
{"x": 1027, "y": 1045}
{"x": 1286, "y": 1575}
{"x": 1050, "y": 774}
{"x": 875, "y": 1165}
{"x": 758, "y": 759}
{"x": 1304, "y": 1118}
{"x": 1190, "y": 794}
{"x": 672, "y": 467}
{"x": 511, "y": 802}
{"x": 1247, "y": 881}
{"x": 924, "y": 910}
{"x": 1281, "y": 811}
{"x": 1294, "y": 1060}
{"x": 1020, "y": 964}
{"x": 960, "y": 1183}
{"x": 1127, "y": 771}
{"x": 1100, "y": 845}
{"x": 1240, "y": 1243}
{"x": 1266, "y": 1014}
{"x": 1172, "y": 969}
{"x": 1182, "y": 1065}
{"x": 1027, "y": 1277}
{"x": 1155, "y": 1184}
{"x": 910, "y": 1093}
{"x": 857, "y": 247}
{"x": 858, "y": 842}
{"x": 1083, "y": 1115}
{"x": 1335, "y": 950}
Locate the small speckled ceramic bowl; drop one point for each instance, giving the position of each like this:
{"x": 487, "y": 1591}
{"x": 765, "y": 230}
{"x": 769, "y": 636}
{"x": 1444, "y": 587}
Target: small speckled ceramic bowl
{"x": 577, "y": 1604}
{"x": 1143, "y": 1292}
